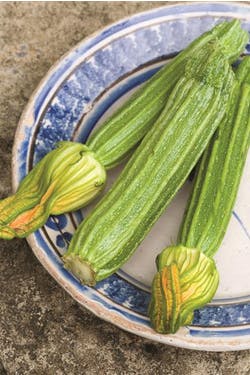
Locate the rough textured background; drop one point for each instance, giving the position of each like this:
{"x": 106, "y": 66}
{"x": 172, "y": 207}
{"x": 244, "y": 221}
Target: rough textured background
{"x": 42, "y": 330}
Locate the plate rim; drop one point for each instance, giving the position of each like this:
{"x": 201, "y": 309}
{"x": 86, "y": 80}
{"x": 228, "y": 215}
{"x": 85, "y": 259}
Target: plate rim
{"x": 227, "y": 345}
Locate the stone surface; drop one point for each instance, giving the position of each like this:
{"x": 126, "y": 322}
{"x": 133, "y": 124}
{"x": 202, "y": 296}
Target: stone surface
{"x": 42, "y": 330}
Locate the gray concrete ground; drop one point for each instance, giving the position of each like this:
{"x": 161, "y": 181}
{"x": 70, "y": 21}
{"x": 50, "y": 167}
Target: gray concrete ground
{"x": 42, "y": 329}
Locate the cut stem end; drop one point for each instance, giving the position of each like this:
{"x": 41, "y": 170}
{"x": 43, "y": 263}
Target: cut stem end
{"x": 80, "y": 269}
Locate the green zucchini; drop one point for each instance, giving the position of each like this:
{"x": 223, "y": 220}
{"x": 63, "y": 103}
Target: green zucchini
{"x": 128, "y": 125}
{"x": 110, "y": 144}
{"x": 187, "y": 277}
{"x": 157, "y": 169}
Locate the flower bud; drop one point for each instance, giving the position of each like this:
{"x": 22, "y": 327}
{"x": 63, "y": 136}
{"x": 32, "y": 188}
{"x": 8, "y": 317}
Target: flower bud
{"x": 186, "y": 280}
{"x": 66, "y": 179}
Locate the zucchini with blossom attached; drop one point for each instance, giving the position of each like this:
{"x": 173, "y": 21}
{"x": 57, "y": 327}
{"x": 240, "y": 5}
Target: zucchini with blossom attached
{"x": 187, "y": 277}
{"x": 29, "y": 208}
{"x": 157, "y": 169}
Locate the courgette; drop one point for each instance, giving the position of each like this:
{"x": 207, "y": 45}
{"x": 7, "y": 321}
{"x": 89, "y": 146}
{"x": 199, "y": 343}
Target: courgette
{"x": 128, "y": 125}
{"x": 110, "y": 144}
{"x": 157, "y": 169}
{"x": 187, "y": 277}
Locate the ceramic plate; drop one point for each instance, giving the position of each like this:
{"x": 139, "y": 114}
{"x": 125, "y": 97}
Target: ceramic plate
{"x": 80, "y": 91}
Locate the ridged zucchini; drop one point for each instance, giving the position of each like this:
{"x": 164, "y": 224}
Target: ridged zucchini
{"x": 157, "y": 169}
{"x": 219, "y": 174}
{"x": 187, "y": 277}
{"x": 128, "y": 125}
{"x": 29, "y": 208}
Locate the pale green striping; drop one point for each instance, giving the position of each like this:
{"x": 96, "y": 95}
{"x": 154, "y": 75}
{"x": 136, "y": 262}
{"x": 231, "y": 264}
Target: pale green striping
{"x": 198, "y": 215}
{"x": 142, "y": 152}
{"x": 127, "y": 126}
{"x": 162, "y": 199}
{"x": 99, "y": 220}
{"x": 156, "y": 170}
{"x": 208, "y": 212}
{"x": 137, "y": 188}
{"x": 228, "y": 189}
{"x": 121, "y": 140}
{"x": 216, "y": 185}
{"x": 147, "y": 219}
{"x": 140, "y": 155}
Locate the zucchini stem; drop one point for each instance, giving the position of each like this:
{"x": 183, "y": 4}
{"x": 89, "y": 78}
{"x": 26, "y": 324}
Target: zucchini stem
{"x": 80, "y": 269}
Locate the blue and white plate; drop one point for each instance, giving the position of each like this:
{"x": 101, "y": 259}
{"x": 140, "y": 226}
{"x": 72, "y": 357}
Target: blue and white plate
{"x": 80, "y": 91}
